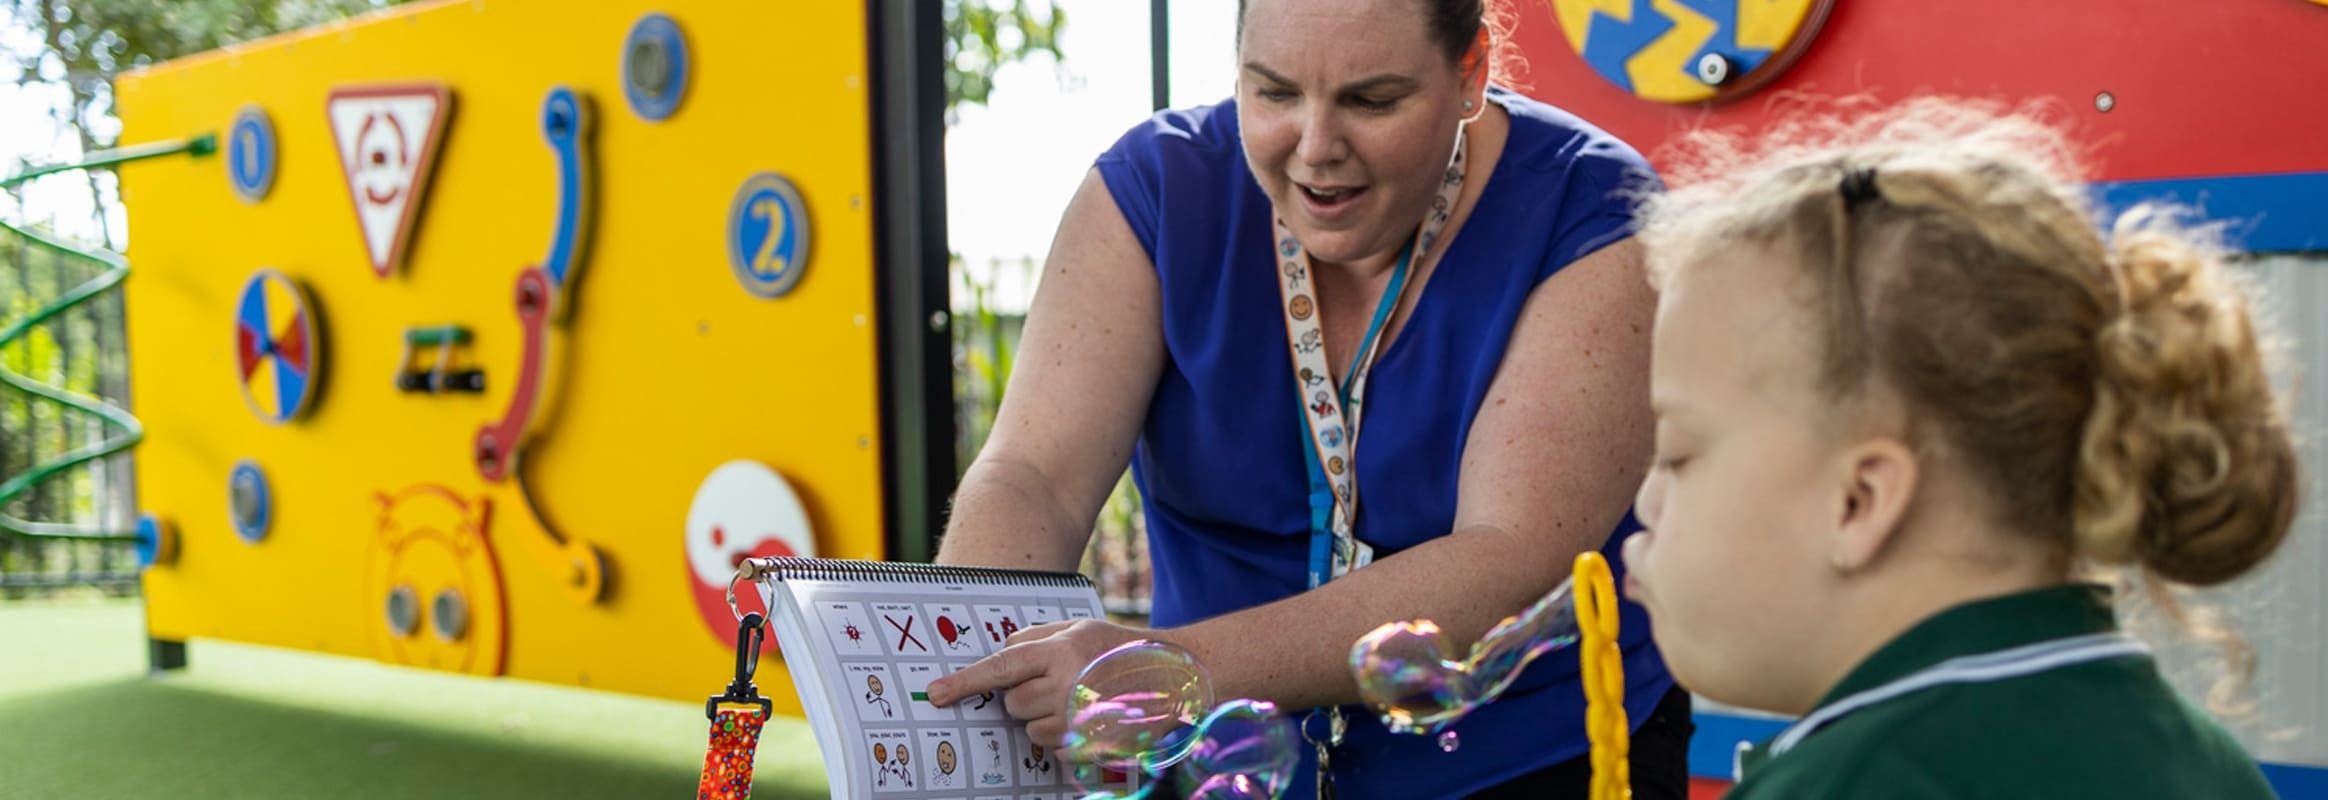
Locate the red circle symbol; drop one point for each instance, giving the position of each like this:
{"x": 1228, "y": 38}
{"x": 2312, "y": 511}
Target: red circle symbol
{"x": 743, "y": 509}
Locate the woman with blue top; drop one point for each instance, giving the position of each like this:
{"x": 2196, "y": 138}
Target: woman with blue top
{"x": 1374, "y": 339}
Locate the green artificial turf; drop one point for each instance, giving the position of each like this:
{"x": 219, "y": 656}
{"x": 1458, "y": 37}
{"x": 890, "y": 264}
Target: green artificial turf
{"x": 79, "y": 718}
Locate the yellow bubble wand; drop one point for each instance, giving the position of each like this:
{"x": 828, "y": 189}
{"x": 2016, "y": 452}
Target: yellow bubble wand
{"x": 1603, "y": 668}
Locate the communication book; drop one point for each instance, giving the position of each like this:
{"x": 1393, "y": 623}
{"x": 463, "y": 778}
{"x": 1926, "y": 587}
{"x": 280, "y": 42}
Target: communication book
{"x": 863, "y": 641}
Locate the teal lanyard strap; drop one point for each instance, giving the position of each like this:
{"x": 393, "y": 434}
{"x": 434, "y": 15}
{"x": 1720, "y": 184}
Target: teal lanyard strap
{"x": 1321, "y": 495}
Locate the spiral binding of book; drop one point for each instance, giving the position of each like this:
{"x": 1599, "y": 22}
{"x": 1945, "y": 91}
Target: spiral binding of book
{"x": 834, "y": 569}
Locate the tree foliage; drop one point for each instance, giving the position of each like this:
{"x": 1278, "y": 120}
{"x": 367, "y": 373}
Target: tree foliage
{"x": 983, "y": 35}
{"x": 84, "y": 44}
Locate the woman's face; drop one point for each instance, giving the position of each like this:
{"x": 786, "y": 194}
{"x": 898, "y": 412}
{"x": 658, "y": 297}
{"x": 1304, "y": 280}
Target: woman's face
{"x": 1348, "y": 111}
{"x": 1735, "y": 565}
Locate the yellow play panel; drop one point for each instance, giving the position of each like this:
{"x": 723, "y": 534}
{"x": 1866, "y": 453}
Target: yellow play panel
{"x": 497, "y": 331}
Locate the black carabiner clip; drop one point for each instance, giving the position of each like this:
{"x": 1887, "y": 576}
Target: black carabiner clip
{"x": 749, "y": 634}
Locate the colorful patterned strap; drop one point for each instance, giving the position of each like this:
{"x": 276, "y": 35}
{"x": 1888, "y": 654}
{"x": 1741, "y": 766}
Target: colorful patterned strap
{"x": 735, "y": 732}
{"x": 727, "y": 766}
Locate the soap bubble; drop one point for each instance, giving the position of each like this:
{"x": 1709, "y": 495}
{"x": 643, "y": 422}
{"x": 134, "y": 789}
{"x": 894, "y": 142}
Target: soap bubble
{"x": 1144, "y": 713}
{"x": 1244, "y": 749}
{"x": 1135, "y": 708}
{"x": 1235, "y": 787}
{"x": 1404, "y": 672}
{"x": 1407, "y": 674}
{"x": 1097, "y": 783}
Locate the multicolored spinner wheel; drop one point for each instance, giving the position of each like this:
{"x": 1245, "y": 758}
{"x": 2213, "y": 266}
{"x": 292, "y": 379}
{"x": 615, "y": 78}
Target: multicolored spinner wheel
{"x": 1690, "y": 51}
{"x": 275, "y": 347}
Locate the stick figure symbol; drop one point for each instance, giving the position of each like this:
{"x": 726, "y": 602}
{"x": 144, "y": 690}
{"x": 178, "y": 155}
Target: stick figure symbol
{"x": 874, "y": 696}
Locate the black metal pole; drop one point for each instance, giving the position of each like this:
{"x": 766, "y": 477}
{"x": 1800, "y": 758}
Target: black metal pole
{"x": 119, "y": 500}
{"x": 70, "y": 429}
{"x": 13, "y": 552}
{"x": 1160, "y": 54}
{"x": 910, "y": 287}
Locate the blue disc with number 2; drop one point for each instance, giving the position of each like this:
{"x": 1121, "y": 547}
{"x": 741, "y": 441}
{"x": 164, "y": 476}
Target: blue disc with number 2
{"x": 768, "y": 232}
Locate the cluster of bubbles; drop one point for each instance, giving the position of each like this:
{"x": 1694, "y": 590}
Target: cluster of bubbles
{"x": 1406, "y": 672}
{"x": 1142, "y": 718}
{"x": 1142, "y": 722}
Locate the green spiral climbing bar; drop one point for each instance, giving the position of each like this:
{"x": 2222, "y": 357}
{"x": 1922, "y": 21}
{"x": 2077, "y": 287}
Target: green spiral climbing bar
{"x": 124, "y": 428}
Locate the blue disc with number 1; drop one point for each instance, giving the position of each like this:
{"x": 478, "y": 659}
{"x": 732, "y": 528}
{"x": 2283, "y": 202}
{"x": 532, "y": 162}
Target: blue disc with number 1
{"x": 768, "y": 233}
{"x": 250, "y": 154}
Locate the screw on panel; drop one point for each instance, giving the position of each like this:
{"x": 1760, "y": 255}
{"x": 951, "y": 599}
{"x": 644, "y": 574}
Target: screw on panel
{"x": 247, "y": 505}
{"x": 649, "y": 66}
{"x": 2105, "y": 101}
{"x": 1714, "y": 69}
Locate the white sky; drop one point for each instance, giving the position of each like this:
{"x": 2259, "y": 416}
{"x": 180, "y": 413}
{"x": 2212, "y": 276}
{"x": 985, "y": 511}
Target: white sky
{"x": 28, "y": 132}
{"x": 1011, "y": 165}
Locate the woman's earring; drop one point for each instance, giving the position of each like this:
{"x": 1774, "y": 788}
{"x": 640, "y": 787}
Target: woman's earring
{"x": 1467, "y": 106}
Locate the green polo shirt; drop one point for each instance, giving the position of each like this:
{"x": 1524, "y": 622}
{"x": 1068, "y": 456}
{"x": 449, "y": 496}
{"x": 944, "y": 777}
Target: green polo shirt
{"x": 2011, "y": 726}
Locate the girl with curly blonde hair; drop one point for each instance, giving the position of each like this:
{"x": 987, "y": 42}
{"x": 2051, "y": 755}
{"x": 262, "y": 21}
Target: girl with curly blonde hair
{"x": 1919, "y": 415}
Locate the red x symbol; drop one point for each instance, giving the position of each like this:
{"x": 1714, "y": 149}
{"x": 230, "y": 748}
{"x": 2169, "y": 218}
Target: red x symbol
{"x": 905, "y": 632}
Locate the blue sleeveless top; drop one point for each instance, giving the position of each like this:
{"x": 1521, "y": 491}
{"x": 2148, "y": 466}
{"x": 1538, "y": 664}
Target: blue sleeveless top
{"x": 1219, "y": 462}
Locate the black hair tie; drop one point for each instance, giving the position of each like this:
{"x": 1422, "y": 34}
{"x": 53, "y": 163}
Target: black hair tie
{"x": 1859, "y": 186}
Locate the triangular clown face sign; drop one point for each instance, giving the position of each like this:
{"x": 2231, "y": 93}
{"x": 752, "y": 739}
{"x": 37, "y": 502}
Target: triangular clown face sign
{"x": 387, "y": 138}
